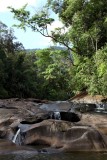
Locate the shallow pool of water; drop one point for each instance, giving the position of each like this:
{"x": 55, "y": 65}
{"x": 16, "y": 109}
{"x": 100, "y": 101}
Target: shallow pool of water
{"x": 59, "y": 156}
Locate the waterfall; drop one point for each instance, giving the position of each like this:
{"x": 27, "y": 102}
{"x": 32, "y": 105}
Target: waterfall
{"x": 57, "y": 115}
{"x": 16, "y": 137}
{"x": 100, "y": 108}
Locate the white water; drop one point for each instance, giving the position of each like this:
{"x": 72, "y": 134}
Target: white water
{"x": 100, "y": 107}
{"x": 16, "y": 135}
{"x": 57, "y": 115}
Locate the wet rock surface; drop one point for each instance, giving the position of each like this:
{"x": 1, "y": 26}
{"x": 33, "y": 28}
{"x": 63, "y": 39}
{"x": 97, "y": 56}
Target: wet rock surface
{"x": 72, "y": 131}
{"x": 64, "y": 136}
{"x": 7, "y": 147}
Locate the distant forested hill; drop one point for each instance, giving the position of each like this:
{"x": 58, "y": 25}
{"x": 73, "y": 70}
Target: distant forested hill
{"x": 52, "y": 47}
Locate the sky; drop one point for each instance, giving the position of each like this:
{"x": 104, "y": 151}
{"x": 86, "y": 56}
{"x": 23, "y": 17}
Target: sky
{"x": 29, "y": 39}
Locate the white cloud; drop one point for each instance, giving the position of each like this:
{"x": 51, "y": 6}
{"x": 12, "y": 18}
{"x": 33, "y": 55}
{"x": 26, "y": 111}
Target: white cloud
{"x": 54, "y": 25}
{"x": 57, "y": 24}
{"x": 16, "y": 4}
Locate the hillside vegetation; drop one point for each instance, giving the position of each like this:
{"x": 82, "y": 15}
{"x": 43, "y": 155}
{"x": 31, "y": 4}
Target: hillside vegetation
{"x": 54, "y": 73}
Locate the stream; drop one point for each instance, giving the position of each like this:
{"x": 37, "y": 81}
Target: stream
{"x": 60, "y": 156}
{"x": 17, "y": 152}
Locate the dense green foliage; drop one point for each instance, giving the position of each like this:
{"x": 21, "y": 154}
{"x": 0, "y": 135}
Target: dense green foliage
{"x": 54, "y": 73}
{"x": 39, "y": 74}
{"x": 57, "y": 74}
{"x": 87, "y": 22}
{"x": 17, "y": 71}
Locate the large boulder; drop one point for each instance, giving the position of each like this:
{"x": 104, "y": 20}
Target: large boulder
{"x": 39, "y": 117}
{"x": 97, "y": 121}
{"x": 12, "y": 112}
{"x": 44, "y": 115}
{"x": 64, "y": 136}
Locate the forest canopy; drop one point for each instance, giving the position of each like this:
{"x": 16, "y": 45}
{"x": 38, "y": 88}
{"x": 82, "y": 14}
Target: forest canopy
{"x": 57, "y": 73}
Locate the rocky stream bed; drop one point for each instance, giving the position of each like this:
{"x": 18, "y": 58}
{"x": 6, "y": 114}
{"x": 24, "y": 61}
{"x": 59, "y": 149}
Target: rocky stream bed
{"x": 51, "y": 126}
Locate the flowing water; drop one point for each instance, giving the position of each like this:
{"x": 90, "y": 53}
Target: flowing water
{"x": 60, "y": 156}
{"x": 16, "y": 136}
{"x": 57, "y": 116}
{"x": 101, "y": 108}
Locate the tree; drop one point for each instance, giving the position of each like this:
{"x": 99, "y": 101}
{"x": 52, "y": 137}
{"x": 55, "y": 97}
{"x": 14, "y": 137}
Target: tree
{"x": 53, "y": 74}
{"x": 39, "y": 22}
{"x": 3, "y": 92}
{"x": 87, "y": 22}
{"x": 86, "y": 37}
{"x": 7, "y": 40}
{"x": 17, "y": 74}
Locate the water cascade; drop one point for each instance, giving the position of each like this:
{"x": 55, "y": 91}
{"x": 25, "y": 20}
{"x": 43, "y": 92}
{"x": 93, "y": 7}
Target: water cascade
{"x": 57, "y": 115}
{"x": 100, "y": 108}
{"x": 16, "y": 138}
